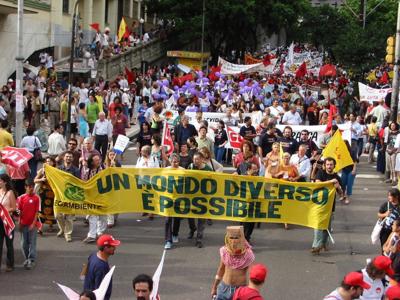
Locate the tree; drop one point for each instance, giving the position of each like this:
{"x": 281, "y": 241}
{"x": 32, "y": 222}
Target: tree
{"x": 230, "y": 24}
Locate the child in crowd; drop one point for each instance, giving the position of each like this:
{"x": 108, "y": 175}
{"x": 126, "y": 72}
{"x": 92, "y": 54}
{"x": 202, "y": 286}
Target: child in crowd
{"x": 392, "y": 244}
{"x": 29, "y": 206}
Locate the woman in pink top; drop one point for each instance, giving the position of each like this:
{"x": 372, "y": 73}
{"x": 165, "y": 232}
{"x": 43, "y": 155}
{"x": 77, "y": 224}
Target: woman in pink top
{"x": 8, "y": 200}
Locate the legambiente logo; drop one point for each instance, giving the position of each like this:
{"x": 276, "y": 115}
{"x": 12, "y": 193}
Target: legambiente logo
{"x": 74, "y": 193}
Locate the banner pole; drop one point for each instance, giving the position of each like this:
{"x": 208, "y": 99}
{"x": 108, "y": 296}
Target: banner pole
{"x": 330, "y": 236}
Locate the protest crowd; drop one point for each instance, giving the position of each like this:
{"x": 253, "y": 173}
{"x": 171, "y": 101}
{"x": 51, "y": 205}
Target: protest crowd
{"x": 273, "y": 120}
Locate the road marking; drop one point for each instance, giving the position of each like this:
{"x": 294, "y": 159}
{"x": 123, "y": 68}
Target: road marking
{"x": 368, "y": 176}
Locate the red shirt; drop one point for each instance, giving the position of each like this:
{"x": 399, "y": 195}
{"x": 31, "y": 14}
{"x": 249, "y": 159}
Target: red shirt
{"x": 246, "y": 293}
{"x": 28, "y": 206}
{"x": 119, "y": 124}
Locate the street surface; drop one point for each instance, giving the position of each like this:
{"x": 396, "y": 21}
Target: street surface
{"x": 189, "y": 272}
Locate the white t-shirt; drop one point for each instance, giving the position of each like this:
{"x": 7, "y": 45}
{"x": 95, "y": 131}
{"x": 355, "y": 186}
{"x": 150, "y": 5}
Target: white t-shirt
{"x": 377, "y": 289}
{"x": 291, "y": 118}
{"x": 333, "y": 296}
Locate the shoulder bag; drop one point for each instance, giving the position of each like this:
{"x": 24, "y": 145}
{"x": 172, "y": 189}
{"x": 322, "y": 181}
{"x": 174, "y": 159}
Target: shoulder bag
{"x": 377, "y": 229}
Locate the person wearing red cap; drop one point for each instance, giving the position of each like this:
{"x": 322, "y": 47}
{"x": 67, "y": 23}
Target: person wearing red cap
{"x": 258, "y": 273}
{"x": 374, "y": 274}
{"x": 393, "y": 293}
{"x": 352, "y": 287}
{"x": 97, "y": 266}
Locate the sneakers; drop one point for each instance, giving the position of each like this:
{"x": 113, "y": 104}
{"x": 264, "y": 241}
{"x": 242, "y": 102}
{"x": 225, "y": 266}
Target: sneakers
{"x": 60, "y": 233}
{"x": 168, "y": 245}
{"x": 28, "y": 264}
{"x": 68, "y": 239}
{"x": 175, "y": 239}
{"x": 89, "y": 240}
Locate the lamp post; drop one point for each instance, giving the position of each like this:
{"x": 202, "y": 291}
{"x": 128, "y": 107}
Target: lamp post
{"x": 71, "y": 71}
{"x": 395, "y": 85}
{"x": 141, "y": 21}
{"x": 19, "y": 75}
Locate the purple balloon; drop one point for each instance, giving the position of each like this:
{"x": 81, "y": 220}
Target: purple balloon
{"x": 205, "y": 79}
{"x": 156, "y": 95}
{"x": 164, "y": 97}
{"x": 247, "y": 89}
{"x": 208, "y": 94}
{"x": 176, "y": 96}
{"x": 218, "y": 74}
{"x": 241, "y": 84}
{"x": 165, "y": 82}
{"x": 176, "y": 88}
{"x": 246, "y": 81}
{"x": 223, "y": 95}
{"x": 200, "y": 73}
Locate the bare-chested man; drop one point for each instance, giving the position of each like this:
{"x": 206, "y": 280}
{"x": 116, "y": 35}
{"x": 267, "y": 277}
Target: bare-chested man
{"x": 236, "y": 257}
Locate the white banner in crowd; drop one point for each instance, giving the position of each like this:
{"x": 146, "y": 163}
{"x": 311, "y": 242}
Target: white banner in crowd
{"x": 316, "y": 132}
{"x": 370, "y": 94}
{"x": 228, "y": 68}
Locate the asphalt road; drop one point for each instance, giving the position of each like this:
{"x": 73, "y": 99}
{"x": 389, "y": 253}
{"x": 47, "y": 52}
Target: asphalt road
{"x": 188, "y": 271}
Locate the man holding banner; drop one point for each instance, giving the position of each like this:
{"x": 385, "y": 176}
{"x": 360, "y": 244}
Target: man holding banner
{"x": 326, "y": 174}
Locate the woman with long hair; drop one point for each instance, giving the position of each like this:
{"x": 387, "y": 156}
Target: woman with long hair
{"x": 111, "y": 161}
{"x": 388, "y": 213}
{"x": 46, "y": 194}
{"x": 157, "y": 150}
{"x": 272, "y": 161}
{"x": 389, "y": 139}
{"x": 83, "y": 123}
{"x": 144, "y": 137}
{"x": 8, "y": 200}
{"x": 246, "y": 151}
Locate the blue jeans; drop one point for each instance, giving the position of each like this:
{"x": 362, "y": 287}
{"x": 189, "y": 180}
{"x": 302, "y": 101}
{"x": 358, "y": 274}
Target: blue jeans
{"x": 28, "y": 243}
{"x": 225, "y": 292}
{"x": 321, "y": 236}
{"x": 348, "y": 181}
{"x": 219, "y": 154}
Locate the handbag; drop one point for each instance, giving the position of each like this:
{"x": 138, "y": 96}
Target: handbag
{"x": 37, "y": 153}
{"x": 376, "y": 231}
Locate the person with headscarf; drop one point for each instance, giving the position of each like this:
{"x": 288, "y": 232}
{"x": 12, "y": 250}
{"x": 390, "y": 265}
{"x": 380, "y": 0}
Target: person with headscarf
{"x": 236, "y": 257}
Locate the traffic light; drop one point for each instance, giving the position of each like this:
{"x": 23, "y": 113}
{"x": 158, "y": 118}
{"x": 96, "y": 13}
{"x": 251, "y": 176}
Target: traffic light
{"x": 390, "y": 45}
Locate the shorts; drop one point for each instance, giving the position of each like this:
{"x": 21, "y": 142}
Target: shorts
{"x": 225, "y": 292}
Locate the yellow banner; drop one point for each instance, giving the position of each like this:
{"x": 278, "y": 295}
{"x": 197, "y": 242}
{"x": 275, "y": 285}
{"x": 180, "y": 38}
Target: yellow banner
{"x": 193, "y": 194}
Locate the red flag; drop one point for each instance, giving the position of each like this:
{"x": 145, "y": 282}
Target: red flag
{"x": 267, "y": 60}
{"x": 234, "y": 138}
{"x": 301, "y": 71}
{"x": 95, "y": 26}
{"x": 331, "y": 115}
{"x": 15, "y": 157}
{"x": 212, "y": 75}
{"x": 167, "y": 139}
{"x": 384, "y": 79}
{"x": 8, "y": 222}
{"x": 129, "y": 75}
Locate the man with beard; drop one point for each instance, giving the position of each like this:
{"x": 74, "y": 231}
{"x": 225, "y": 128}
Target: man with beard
{"x": 288, "y": 143}
{"x": 97, "y": 266}
{"x": 236, "y": 257}
{"x": 352, "y": 287}
{"x": 142, "y": 287}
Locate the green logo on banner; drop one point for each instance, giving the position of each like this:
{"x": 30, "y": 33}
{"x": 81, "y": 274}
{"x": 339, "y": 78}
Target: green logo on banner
{"x": 74, "y": 193}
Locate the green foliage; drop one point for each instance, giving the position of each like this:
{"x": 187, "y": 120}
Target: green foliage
{"x": 231, "y": 25}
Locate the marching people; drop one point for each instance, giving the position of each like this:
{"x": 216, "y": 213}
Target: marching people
{"x": 111, "y": 161}
{"x": 235, "y": 259}
{"x": 28, "y": 206}
{"x": 65, "y": 221}
{"x": 45, "y": 192}
{"x": 97, "y": 264}
{"x": 97, "y": 223}
{"x": 56, "y": 140}
{"x": 320, "y": 242}
{"x": 142, "y": 286}
{"x": 8, "y": 201}
{"x": 102, "y": 132}
{"x": 389, "y": 212}
{"x": 352, "y": 287}
{"x": 257, "y": 275}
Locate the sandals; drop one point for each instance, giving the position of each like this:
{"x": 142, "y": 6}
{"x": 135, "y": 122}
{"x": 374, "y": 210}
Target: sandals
{"x": 344, "y": 200}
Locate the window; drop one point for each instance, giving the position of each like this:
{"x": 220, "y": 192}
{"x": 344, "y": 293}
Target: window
{"x": 65, "y": 7}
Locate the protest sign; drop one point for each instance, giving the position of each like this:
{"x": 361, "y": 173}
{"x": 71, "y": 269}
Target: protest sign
{"x": 121, "y": 143}
{"x": 193, "y": 194}
{"x": 370, "y": 94}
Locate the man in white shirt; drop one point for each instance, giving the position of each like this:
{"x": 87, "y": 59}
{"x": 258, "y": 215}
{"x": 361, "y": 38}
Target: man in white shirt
{"x": 356, "y": 132}
{"x": 380, "y": 112}
{"x": 57, "y": 143}
{"x": 302, "y": 163}
{"x": 102, "y": 131}
{"x": 276, "y": 110}
{"x": 291, "y": 117}
{"x": 83, "y": 93}
{"x": 352, "y": 287}
{"x": 374, "y": 274}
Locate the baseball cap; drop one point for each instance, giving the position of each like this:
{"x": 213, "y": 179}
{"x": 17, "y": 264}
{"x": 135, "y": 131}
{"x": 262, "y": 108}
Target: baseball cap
{"x": 393, "y": 292}
{"x": 383, "y": 263}
{"x": 356, "y": 279}
{"x": 107, "y": 240}
{"x": 258, "y": 272}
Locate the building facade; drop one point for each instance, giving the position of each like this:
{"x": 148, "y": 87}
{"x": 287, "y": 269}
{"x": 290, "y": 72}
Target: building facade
{"x": 48, "y": 24}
